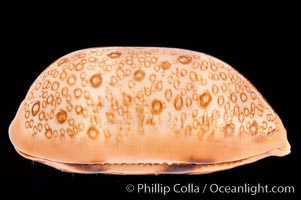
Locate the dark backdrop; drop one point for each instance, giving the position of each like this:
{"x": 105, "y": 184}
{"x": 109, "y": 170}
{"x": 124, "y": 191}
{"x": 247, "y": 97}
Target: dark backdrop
{"x": 253, "y": 45}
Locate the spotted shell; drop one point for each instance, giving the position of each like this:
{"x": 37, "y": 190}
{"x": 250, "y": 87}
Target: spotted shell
{"x": 146, "y": 110}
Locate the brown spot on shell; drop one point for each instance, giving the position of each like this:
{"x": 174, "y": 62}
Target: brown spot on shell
{"x": 165, "y": 65}
{"x": 157, "y": 107}
{"x": 77, "y": 92}
{"x": 168, "y": 94}
{"x": 78, "y": 109}
{"x": 229, "y": 129}
{"x": 205, "y": 99}
{"x": 80, "y": 66}
{"x": 110, "y": 117}
{"x": 253, "y": 95}
{"x": 48, "y": 133}
{"x": 41, "y": 115}
{"x": 150, "y": 121}
{"x": 62, "y": 61}
{"x": 71, "y": 80}
{"x": 188, "y": 101}
{"x": 64, "y": 91}
{"x": 55, "y": 85}
{"x": 241, "y": 117}
{"x": 184, "y": 59}
{"x": 178, "y": 102}
{"x": 63, "y": 75}
{"x": 96, "y": 80}
{"x": 254, "y": 128}
{"x": 223, "y": 75}
{"x": 92, "y": 133}
{"x": 159, "y": 85}
{"x": 233, "y": 97}
{"x": 46, "y": 84}
{"x": 27, "y": 113}
{"x": 270, "y": 117}
{"x": 81, "y": 126}
{"x": 176, "y": 84}
{"x": 243, "y": 97}
{"x": 107, "y": 133}
{"x": 126, "y": 99}
{"x": 61, "y": 116}
{"x": 214, "y": 89}
{"x": 189, "y": 86}
{"x": 139, "y": 75}
{"x": 131, "y": 84}
{"x": 113, "y": 80}
{"x": 183, "y": 72}
{"x": 114, "y": 54}
{"x": 35, "y": 108}
{"x": 152, "y": 78}
{"x": 193, "y": 76}
{"x": 50, "y": 99}
{"x": 246, "y": 111}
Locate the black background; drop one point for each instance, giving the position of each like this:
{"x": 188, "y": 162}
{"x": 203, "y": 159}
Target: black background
{"x": 249, "y": 41}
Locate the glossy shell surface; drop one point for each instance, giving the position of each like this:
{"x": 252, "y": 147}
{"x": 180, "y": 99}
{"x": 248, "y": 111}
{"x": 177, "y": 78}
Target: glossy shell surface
{"x": 145, "y": 110}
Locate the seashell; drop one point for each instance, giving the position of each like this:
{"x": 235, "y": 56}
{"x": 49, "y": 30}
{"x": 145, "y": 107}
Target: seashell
{"x": 145, "y": 110}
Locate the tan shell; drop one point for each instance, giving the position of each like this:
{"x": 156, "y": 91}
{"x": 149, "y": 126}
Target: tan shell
{"x": 130, "y": 110}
